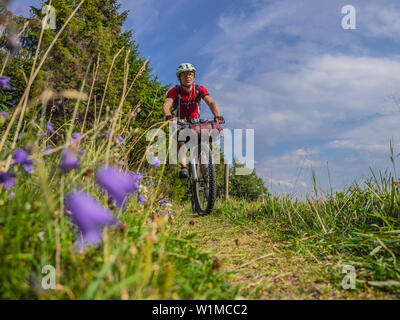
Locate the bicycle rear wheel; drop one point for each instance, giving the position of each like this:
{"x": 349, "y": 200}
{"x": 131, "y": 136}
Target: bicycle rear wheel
{"x": 204, "y": 188}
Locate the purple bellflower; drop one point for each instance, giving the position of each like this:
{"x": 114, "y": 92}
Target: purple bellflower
{"x": 117, "y": 183}
{"x": 76, "y": 136}
{"x": 141, "y": 199}
{"x": 4, "y": 114}
{"x": 90, "y": 216}
{"x": 155, "y": 163}
{"x": 47, "y": 151}
{"x": 50, "y": 127}
{"x": 21, "y": 157}
{"x": 69, "y": 161}
{"x": 7, "y": 179}
{"x": 137, "y": 175}
{"x": 4, "y": 83}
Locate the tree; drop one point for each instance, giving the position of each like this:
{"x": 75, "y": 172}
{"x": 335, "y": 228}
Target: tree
{"x": 250, "y": 187}
{"x": 90, "y": 42}
{"x": 94, "y": 34}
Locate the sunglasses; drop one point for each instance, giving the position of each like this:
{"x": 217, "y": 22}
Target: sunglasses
{"x": 188, "y": 74}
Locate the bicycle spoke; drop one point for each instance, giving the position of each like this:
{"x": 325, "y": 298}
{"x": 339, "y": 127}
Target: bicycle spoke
{"x": 204, "y": 183}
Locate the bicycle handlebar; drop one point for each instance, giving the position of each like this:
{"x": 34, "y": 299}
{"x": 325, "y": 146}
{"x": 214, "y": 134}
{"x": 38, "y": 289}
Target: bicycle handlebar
{"x": 194, "y": 121}
{"x": 182, "y": 122}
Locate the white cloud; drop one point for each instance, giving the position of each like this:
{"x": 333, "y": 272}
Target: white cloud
{"x": 299, "y": 159}
{"x": 382, "y": 19}
{"x": 289, "y": 171}
{"x": 373, "y": 136}
{"x": 300, "y": 77}
{"x": 287, "y": 105}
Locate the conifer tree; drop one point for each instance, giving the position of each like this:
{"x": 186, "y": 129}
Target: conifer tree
{"x": 94, "y": 34}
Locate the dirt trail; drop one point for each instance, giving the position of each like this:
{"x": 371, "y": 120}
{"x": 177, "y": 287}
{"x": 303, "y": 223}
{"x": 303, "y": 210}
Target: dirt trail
{"x": 262, "y": 268}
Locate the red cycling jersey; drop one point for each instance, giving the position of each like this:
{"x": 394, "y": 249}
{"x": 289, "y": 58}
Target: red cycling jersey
{"x": 188, "y": 98}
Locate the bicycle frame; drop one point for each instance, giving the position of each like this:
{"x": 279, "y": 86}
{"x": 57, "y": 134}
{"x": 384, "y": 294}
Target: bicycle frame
{"x": 202, "y": 182}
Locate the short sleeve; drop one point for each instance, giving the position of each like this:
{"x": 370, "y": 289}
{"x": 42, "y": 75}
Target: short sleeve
{"x": 173, "y": 93}
{"x": 203, "y": 91}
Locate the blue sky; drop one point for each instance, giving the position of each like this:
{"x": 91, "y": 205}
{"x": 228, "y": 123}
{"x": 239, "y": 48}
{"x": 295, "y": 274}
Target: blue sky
{"x": 312, "y": 91}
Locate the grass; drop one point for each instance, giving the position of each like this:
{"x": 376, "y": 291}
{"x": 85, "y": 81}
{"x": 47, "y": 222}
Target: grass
{"x": 141, "y": 259}
{"x": 256, "y": 257}
{"x": 137, "y": 263}
{"x": 359, "y": 226}
{"x": 293, "y": 249}
{"x": 159, "y": 257}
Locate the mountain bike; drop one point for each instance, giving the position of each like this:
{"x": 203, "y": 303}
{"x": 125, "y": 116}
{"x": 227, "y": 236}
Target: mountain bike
{"x": 202, "y": 186}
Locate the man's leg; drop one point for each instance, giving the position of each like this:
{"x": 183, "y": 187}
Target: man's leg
{"x": 182, "y": 160}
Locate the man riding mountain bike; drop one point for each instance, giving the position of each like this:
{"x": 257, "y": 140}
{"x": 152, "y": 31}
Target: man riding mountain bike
{"x": 186, "y": 97}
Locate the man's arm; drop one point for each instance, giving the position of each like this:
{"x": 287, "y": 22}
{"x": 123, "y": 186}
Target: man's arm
{"x": 212, "y": 105}
{"x": 167, "y": 106}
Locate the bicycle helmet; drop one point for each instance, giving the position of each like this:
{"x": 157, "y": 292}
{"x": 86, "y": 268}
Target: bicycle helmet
{"x": 185, "y": 67}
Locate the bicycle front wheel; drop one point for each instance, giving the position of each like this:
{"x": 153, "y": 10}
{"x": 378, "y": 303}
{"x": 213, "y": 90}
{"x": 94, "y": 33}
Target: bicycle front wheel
{"x": 204, "y": 182}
